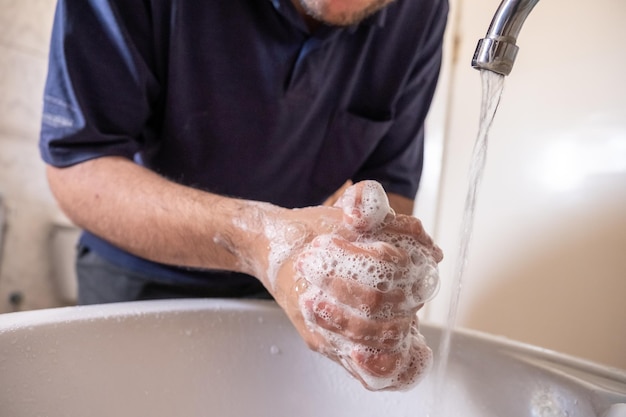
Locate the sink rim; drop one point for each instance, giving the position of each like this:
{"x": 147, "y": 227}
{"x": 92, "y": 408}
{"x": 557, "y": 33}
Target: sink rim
{"x": 16, "y": 321}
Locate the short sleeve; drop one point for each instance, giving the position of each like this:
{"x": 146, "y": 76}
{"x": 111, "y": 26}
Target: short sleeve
{"x": 100, "y": 87}
{"x": 398, "y": 159}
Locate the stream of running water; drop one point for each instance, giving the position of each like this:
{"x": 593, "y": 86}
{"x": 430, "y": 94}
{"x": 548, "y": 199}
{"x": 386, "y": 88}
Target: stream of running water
{"x": 493, "y": 85}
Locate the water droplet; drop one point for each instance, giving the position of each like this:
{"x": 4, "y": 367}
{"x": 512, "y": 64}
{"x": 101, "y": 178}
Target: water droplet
{"x": 274, "y": 350}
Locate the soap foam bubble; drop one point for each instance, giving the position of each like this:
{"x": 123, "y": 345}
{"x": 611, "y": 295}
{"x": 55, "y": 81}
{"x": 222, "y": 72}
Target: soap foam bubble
{"x": 414, "y": 358}
{"x": 365, "y": 205}
{"x": 406, "y": 366}
{"x": 282, "y": 242}
{"x": 331, "y": 257}
{"x": 383, "y": 261}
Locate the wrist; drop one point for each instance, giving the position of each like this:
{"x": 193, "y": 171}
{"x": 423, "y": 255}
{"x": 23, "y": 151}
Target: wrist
{"x": 251, "y": 238}
{"x": 272, "y": 235}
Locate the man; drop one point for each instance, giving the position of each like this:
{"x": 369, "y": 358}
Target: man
{"x": 185, "y": 136}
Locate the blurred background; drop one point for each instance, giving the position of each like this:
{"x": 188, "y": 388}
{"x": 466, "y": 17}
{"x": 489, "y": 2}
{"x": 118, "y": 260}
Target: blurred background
{"x": 547, "y": 262}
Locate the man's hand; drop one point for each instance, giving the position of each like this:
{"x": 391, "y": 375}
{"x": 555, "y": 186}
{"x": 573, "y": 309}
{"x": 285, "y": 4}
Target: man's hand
{"x": 351, "y": 279}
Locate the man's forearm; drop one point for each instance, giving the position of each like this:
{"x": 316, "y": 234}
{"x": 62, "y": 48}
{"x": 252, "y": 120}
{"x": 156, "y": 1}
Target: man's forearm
{"x": 149, "y": 216}
{"x": 157, "y": 219}
{"x": 355, "y": 273}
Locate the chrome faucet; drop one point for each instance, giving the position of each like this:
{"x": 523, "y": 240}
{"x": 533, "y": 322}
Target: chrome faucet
{"x": 497, "y": 51}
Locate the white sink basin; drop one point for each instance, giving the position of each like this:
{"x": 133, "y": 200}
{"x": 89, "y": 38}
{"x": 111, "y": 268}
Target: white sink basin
{"x": 188, "y": 358}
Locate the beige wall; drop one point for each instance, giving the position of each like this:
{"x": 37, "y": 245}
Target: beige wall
{"x": 547, "y": 263}
{"x": 30, "y": 213}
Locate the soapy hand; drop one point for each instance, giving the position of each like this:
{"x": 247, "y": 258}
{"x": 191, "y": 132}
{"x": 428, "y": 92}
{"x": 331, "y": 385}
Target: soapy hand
{"x": 352, "y": 278}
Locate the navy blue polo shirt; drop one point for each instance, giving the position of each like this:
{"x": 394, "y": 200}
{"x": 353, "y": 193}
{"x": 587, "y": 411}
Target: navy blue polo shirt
{"x": 238, "y": 98}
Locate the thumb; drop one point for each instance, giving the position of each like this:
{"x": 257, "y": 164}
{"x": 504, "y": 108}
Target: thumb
{"x": 365, "y": 206}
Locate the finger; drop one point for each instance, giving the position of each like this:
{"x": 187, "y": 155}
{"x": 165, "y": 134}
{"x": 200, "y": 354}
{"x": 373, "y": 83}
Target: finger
{"x": 376, "y": 334}
{"x": 365, "y": 206}
{"x": 389, "y": 281}
{"x": 398, "y": 369}
{"x": 417, "y": 364}
{"x": 407, "y": 231}
{"x": 335, "y": 253}
{"x": 376, "y": 363}
{"x": 373, "y": 277}
{"x": 371, "y": 303}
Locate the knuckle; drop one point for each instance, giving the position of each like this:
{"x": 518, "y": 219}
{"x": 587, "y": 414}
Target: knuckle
{"x": 328, "y": 317}
{"x": 377, "y": 362}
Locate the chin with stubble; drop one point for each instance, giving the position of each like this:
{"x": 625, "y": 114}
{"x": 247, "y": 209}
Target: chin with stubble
{"x": 341, "y": 12}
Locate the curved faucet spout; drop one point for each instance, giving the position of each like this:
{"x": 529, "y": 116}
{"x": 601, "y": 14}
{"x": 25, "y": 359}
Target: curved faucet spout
{"x": 497, "y": 51}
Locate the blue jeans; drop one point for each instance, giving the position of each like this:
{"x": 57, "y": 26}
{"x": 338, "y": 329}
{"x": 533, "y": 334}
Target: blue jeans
{"x": 100, "y": 281}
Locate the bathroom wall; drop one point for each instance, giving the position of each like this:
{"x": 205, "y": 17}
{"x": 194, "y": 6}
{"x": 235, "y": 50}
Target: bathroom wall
{"x": 31, "y": 219}
{"x": 546, "y": 263}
